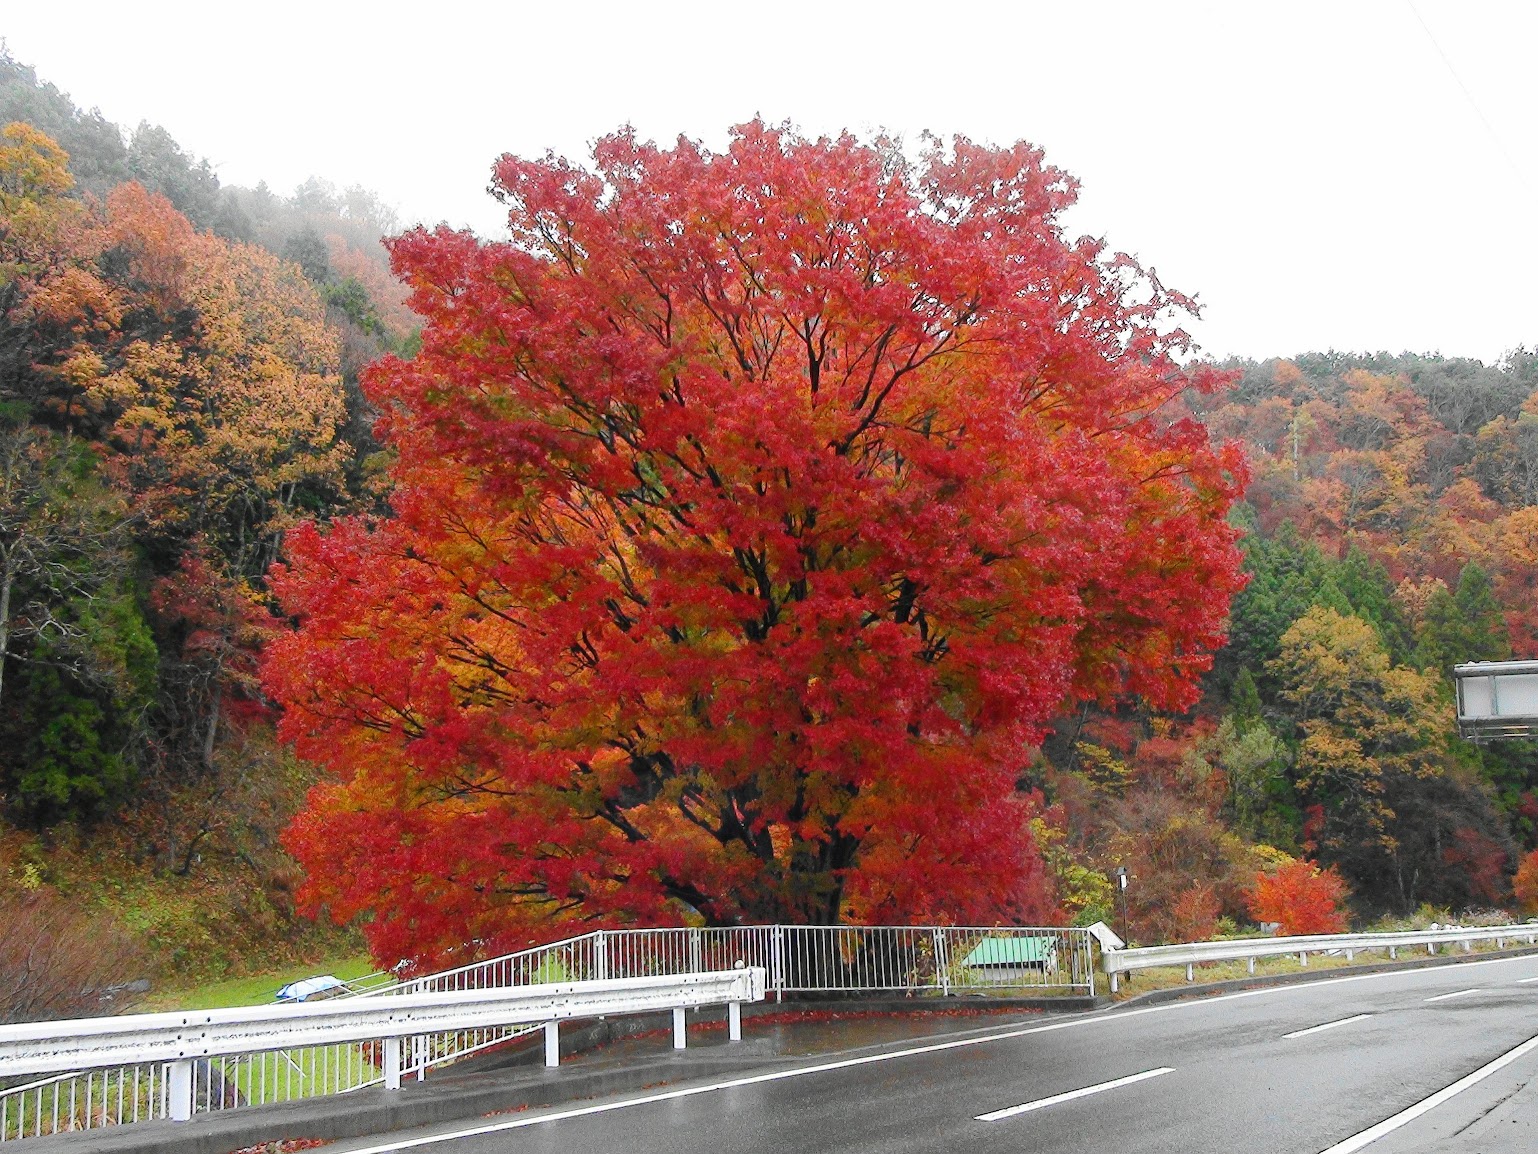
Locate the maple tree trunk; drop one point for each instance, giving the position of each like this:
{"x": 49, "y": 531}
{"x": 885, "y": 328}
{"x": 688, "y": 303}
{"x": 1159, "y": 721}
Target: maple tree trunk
{"x": 213, "y": 727}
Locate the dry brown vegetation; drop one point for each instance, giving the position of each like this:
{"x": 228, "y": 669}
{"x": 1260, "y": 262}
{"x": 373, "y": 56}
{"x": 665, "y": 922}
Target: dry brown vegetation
{"x": 61, "y": 959}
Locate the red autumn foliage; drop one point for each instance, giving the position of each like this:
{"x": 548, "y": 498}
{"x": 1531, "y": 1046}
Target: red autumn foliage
{"x": 1482, "y": 860}
{"x": 1313, "y": 825}
{"x": 1527, "y": 806}
{"x": 1194, "y": 915}
{"x": 753, "y": 512}
{"x": 1301, "y": 897}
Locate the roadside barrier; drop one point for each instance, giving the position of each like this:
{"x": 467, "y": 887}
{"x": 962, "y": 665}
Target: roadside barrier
{"x": 144, "y": 1066}
{"x": 1191, "y": 954}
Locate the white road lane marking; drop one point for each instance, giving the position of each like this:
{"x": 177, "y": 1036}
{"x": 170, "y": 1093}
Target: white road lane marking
{"x": 1004, "y": 1035}
{"x": 1455, "y": 994}
{"x": 1389, "y": 1125}
{"x": 1524, "y": 981}
{"x": 1011, "y": 1111}
{"x": 1327, "y": 1026}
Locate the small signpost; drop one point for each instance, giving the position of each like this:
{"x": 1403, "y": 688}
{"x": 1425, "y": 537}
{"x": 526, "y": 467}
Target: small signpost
{"x": 1497, "y": 700}
{"x": 1120, "y": 874}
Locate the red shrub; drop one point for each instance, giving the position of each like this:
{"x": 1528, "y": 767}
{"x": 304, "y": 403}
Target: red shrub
{"x": 1301, "y": 897}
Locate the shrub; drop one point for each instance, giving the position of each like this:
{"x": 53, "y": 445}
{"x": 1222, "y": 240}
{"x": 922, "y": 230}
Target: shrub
{"x": 1526, "y": 883}
{"x": 1301, "y": 898}
{"x": 61, "y": 959}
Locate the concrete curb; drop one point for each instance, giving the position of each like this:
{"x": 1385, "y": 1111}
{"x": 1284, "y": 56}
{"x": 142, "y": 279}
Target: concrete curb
{"x": 1233, "y": 985}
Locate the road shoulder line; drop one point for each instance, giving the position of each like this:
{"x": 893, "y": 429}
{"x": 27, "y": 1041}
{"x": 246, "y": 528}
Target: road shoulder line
{"x": 1426, "y": 1105}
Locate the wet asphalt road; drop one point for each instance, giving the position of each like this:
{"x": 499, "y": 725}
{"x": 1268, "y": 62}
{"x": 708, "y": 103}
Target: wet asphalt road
{"x": 1234, "y": 1082}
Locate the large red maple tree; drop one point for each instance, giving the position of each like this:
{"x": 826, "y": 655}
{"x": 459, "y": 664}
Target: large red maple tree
{"x": 753, "y": 511}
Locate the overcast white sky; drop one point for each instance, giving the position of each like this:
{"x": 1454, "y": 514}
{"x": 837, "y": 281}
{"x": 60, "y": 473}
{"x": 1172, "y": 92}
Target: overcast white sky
{"x": 1315, "y": 172}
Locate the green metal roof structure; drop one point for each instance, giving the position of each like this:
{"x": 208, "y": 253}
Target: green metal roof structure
{"x": 1011, "y": 952}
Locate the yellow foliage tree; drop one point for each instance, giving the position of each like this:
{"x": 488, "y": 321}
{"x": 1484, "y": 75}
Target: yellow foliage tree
{"x": 226, "y": 419}
{"x": 1365, "y": 724}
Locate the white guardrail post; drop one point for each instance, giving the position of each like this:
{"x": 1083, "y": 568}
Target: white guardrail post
{"x": 187, "y": 1040}
{"x": 392, "y": 1063}
{"x": 777, "y": 943}
{"x": 1191, "y": 954}
{"x": 181, "y": 1090}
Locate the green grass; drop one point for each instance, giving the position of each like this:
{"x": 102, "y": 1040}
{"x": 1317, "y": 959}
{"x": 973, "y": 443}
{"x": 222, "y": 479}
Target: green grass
{"x": 303, "y": 1073}
{"x": 252, "y": 991}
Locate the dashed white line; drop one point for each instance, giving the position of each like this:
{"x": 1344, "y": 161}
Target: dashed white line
{"x": 1327, "y": 1026}
{"x": 1112, "y": 1017}
{"x": 1388, "y": 1125}
{"x": 1099, "y": 1087}
{"x": 1454, "y": 994}
{"x": 1524, "y": 981}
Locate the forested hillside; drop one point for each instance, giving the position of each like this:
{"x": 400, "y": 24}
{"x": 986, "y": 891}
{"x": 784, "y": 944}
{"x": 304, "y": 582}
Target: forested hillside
{"x": 1390, "y": 532}
{"x": 180, "y": 388}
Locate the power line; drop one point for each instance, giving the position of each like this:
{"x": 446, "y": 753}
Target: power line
{"x": 1469, "y": 96}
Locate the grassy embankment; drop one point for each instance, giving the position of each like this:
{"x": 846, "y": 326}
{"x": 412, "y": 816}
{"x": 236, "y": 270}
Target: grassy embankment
{"x": 254, "y": 989}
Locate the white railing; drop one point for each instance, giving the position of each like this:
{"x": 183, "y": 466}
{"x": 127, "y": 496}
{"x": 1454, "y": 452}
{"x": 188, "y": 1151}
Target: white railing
{"x": 798, "y": 959}
{"x": 1192, "y": 954}
{"x": 907, "y": 960}
{"x": 808, "y": 959}
{"x": 145, "y": 1066}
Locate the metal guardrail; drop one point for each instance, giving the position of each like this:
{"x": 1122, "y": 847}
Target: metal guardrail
{"x": 1192, "y": 954}
{"x": 910, "y": 960}
{"x": 155, "y": 1057}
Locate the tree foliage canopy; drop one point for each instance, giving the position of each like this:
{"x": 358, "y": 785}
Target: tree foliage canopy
{"x": 754, "y": 512}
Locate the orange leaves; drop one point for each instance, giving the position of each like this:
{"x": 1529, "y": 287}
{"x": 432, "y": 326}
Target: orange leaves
{"x": 157, "y": 241}
{"x": 1425, "y": 469}
{"x": 223, "y": 397}
{"x": 1525, "y": 884}
{"x": 1301, "y": 898}
{"x": 1194, "y": 915}
{"x": 387, "y": 293}
{"x": 242, "y": 411}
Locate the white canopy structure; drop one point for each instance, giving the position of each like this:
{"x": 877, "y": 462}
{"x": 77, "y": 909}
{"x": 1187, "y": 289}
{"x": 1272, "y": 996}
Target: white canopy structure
{"x": 1497, "y": 700}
